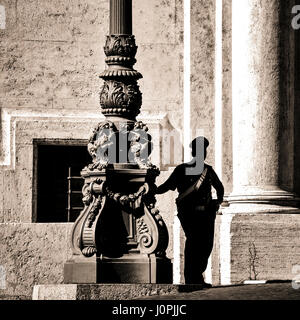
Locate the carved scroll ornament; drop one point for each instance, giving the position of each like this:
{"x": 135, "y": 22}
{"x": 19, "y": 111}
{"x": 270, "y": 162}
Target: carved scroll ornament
{"x": 150, "y": 228}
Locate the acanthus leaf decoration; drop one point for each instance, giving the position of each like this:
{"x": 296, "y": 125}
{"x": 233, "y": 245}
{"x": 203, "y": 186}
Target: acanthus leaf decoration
{"x": 120, "y": 45}
{"x": 120, "y": 98}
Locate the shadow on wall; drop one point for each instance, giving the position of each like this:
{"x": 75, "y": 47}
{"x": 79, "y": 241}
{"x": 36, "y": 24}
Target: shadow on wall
{"x": 289, "y": 166}
{"x": 297, "y": 115}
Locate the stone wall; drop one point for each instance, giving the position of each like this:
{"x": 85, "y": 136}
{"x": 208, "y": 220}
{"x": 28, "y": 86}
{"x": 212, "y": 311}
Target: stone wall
{"x": 261, "y": 247}
{"x": 51, "y": 55}
{"x": 33, "y": 254}
{"x": 264, "y": 247}
{"x": 202, "y": 71}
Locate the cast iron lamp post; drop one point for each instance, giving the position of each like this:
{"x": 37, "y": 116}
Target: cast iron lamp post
{"x": 119, "y": 236}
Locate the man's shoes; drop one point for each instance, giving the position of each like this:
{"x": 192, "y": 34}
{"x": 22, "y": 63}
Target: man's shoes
{"x": 206, "y": 285}
{"x": 188, "y": 287}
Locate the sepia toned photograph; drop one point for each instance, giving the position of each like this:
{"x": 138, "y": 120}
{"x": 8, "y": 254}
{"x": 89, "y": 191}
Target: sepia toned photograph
{"x": 149, "y": 151}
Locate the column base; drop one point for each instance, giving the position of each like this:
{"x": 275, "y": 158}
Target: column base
{"x": 127, "y": 269}
{"x": 268, "y": 199}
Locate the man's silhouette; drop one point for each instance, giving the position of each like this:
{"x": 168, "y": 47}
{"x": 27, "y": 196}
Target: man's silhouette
{"x": 196, "y": 208}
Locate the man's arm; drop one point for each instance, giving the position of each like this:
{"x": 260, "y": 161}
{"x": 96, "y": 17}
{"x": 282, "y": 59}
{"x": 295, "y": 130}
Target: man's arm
{"x": 169, "y": 184}
{"x": 217, "y": 184}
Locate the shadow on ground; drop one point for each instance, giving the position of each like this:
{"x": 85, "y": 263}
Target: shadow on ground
{"x": 272, "y": 290}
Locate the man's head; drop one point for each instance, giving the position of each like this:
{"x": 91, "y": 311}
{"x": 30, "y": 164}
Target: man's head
{"x": 199, "y": 146}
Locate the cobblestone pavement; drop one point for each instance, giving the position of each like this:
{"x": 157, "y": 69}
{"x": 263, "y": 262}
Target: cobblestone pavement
{"x": 269, "y": 291}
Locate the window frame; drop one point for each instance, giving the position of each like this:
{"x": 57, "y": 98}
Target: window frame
{"x": 48, "y": 142}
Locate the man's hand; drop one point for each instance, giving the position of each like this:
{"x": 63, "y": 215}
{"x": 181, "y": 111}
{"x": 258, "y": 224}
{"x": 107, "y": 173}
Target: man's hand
{"x": 154, "y": 188}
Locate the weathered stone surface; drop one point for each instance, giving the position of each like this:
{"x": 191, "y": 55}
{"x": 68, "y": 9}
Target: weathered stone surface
{"x": 30, "y": 263}
{"x": 53, "y": 58}
{"x": 62, "y": 20}
{"x": 288, "y": 175}
{"x": 257, "y": 108}
{"x": 25, "y": 254}
{"x": 151, "y": 18}
{"x": 164, "y": 64}
{"x": 50, "y": 71}
{"x": 1, "y": 197}
{"x": 19, "y": 178}
{"x": 296, "y": 89}
{"x": 269, "y": 291}
{"x": 264, "y": 246}
{"x": 19, "y": 182}
{"x": 202, "y": 71}
{"x": 9, "y": 196}
{"x": 10, "y": 7}
{"x": 107, "y": 291}
{"x": 167, "y": 210}
{"x": 227, "y": 97}
{"x": 215, "y": 255}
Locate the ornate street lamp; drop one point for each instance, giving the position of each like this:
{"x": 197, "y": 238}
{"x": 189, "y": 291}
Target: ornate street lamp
{"x": 119, "y": 236}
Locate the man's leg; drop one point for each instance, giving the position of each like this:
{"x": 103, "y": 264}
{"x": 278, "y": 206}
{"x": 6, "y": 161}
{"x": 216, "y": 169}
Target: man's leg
{"x": 198, "y": 247}
{"x": 192, "y": 261}
{"x": 206, "y": 243}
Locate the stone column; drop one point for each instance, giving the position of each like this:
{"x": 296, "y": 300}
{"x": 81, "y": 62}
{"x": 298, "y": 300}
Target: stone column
{"x": 256, "y": 108}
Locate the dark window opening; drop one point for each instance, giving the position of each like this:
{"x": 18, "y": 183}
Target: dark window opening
{"x": 59, "y": 184}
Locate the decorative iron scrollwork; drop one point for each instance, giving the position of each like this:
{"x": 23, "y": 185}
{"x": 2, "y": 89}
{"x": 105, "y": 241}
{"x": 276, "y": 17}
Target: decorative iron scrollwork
{"x": 132, "y": 143}
{"x": 87, "y": 194}
{"x": 102, "y": 144}
{"x": 126, "y": 142}
{"x": 94, "y": 211}
{"x": 131, "y": 201}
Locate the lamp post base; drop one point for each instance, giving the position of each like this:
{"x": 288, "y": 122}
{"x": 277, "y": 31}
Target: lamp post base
{"x": 127, "y": 269}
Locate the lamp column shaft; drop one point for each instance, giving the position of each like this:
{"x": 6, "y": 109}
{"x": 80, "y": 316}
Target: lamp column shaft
{"x": 120, "y": 17}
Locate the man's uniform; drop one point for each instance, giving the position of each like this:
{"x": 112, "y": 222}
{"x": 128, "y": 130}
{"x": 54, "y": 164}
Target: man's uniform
{"x": 197, "y": 214}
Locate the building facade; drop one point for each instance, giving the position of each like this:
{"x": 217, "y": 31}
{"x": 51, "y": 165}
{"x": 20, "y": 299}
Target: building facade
{"x": 244, "y": 97}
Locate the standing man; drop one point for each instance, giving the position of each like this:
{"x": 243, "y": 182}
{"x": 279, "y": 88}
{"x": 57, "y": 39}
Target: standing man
{"x": 196, "y": 209}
